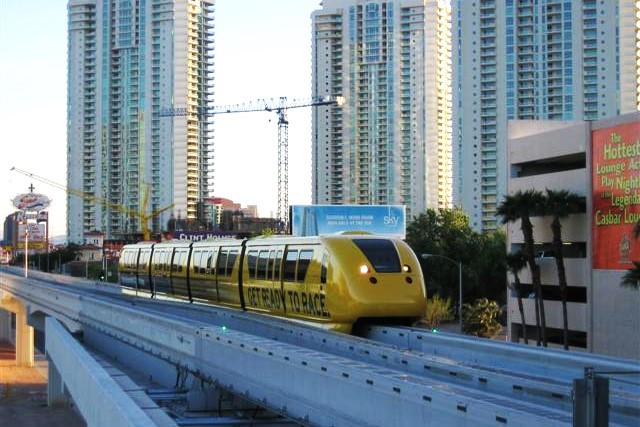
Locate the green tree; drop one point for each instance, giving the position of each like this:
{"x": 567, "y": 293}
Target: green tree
{"x": 516, "y": 262}
{"x": 447, "y": 232}
{"x": 522, "y": 205}
{"x": 560, "y": 204}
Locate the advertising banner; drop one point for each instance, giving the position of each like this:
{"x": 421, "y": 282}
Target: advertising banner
{"x": 37, "y": 236}
{"x": 196, "y": 236}
{"x": 616, "y": 196}
{"x": 316, "y": 220}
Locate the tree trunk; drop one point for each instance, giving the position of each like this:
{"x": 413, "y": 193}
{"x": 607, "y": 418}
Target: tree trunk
{"x": 527, "y": 232}
{"x": 521, "y": 308}
{"x": 556, "y": 228}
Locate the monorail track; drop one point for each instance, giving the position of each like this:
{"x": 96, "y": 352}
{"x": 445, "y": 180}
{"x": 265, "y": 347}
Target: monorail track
{"x": 502, "y": 372}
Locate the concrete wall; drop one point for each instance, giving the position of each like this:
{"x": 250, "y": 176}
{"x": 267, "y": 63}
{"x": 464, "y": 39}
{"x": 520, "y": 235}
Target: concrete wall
{"x": 611, "y": 315}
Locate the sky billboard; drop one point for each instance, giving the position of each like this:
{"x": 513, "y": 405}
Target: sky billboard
{"x": 316, "y": 220}
{"x": 616, "y": 196}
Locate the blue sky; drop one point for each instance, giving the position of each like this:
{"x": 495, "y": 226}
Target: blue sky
{"x": 262, "y": 50}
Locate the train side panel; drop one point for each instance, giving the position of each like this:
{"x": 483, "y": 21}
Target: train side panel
{"x": 261, "y": 277}
{"x": 202, "y": 275}
{"x": 227, "y": 275}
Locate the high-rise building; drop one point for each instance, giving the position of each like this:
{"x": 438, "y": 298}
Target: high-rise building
{"x": 533, "y": 59}
{"x": 390, "y": 143}
{"x": 127, "y": 61}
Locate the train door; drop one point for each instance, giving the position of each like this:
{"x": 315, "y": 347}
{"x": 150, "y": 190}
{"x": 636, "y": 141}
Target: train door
{"x": 160, "y": 270}
{"x": 142, "y": 276}
{"x": 227, "y": 276}
{"x": 179, "y": 273}
{"x": 304, "y": 293}
{"x": 203, "y": 273}
{"x": 261, "y": 285}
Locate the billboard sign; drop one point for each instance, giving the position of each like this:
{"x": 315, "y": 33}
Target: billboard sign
{"x": 616, "y": 195}
{"x": 316, "y": 220}
{"x": 197, "y": 236}
{"x": 31, "y": 202}
{"x": 37, "y": 236}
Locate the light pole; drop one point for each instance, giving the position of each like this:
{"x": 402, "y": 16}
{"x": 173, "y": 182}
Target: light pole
{"x": 26, "y": 249}
{"x": 459, "y": 263}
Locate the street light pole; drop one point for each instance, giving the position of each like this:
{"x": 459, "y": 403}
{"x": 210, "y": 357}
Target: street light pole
{"x": 26, "y": 250}
{"x": 459, "y": 264}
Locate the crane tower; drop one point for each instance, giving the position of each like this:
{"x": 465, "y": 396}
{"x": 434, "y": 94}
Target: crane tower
{"x": 280, "y": 107}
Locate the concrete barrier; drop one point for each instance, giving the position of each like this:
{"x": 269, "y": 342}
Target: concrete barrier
{"x": 100, "y": 400}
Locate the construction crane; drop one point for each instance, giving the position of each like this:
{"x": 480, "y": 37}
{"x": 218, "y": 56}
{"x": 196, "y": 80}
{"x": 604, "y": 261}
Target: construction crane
{"x": 278, "y": 106}
{"x": 141, "y": 215}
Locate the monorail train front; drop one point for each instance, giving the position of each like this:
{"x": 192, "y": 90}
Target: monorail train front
{"x": 374, "y": 278}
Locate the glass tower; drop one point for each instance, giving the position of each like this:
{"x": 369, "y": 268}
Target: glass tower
{"x": 537, "y": 60}
{"x": 130, "y": 169}
{"x": 391, "y": 141}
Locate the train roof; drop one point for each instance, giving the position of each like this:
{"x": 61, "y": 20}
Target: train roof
{"x": 265, "y": 240}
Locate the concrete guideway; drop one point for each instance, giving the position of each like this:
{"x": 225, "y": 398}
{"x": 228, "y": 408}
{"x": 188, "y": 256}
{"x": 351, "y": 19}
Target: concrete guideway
{"x": 101, "y": 400}
{"x": 306, "y": 384}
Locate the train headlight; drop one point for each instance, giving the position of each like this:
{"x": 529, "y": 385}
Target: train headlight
{"x": 364, "y": 269}
{"x": 406, "y": 269}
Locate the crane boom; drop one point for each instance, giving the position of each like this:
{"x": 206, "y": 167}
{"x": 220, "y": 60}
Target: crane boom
{"x": 141, "y": 215}
{"x": 278, "y": 106}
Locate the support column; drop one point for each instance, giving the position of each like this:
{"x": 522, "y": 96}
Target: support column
{"x": 24, "y": 340}
{"x": 55, "y": 387}
{"x": 5, "y": 325}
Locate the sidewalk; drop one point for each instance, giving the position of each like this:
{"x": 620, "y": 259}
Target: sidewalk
{"x": 23, "y": 397}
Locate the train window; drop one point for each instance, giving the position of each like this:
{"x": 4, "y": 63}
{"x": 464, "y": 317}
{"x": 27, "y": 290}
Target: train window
{"x": 262, "y": 264}
{"x": 166, "y": 257}
{"x": 323, "y": 268}
{"x": 252, "y": 261}
{"x": 144, "y": 258}
{"x": 271, "y": 264}
{"x": 303, "y": 264}
{"x": 226, "y": 260}
{"x": 210, "y": 267}
{"x": 276, "y": 267}
{"x": 195, "y": 261}
{"x": 290, "y": 266}
{"x": 178, "y": 259}
{"x": 175, "y": 261}
{"x": 231, "y": 260}
{"x": 381, "y": 253}
{"x": 222, "y": 262}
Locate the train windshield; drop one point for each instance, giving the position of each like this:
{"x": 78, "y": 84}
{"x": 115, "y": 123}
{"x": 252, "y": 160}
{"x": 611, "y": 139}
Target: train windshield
{"x": 381, "y": 253}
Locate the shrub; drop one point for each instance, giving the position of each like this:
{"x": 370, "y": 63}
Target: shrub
{"x": 481, "y": 318}
{"x": 438, "y": 311}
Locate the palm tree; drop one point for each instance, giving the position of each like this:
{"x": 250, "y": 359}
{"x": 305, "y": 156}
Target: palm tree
{"x": 516, "y": 262}
{"x": 631, "y": 278}
{"x": 522, "y": 205}
{"x": 560, "y": 204}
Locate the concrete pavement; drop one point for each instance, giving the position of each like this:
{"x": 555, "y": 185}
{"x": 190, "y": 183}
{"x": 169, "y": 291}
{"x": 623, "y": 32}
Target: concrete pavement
{"x": 23, "y": 396}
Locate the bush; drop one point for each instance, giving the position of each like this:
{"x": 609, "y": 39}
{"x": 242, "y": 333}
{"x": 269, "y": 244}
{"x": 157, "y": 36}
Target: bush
{"x": 438, "y": 311}
{"x": 481, "y": 318}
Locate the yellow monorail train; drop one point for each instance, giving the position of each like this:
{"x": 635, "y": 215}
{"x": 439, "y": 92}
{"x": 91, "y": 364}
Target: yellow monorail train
{"x": 331, "y": 281}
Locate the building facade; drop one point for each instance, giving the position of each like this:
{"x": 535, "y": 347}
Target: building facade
{"x": 600, "y": 161}
{"x": 128, "y": 167}
{"x": 533, "y": 59}
{"x": 390, "y": 143}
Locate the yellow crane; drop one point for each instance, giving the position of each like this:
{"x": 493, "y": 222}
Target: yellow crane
{"x": 142, "y": 216}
